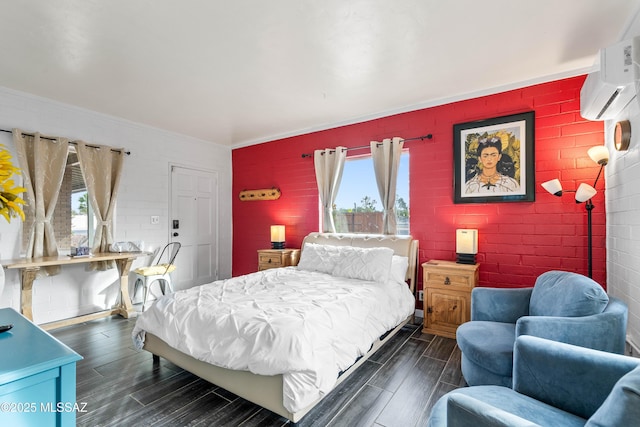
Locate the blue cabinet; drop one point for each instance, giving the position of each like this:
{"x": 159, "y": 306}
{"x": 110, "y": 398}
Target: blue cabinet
{"x": 37, "y": 376}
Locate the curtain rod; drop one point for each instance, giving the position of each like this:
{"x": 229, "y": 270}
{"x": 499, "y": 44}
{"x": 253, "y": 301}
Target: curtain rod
{"x": 70, "y": 142}
{"x": 422, "y": 138}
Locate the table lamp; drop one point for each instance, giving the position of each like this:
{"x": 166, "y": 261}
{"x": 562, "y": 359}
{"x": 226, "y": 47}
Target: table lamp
{"x": 277, "y": 237}
{"x": 466, "y": 246}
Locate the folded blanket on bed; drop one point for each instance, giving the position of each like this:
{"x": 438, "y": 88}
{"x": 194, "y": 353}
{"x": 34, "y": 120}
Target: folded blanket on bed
{"x": 308, "y": 326}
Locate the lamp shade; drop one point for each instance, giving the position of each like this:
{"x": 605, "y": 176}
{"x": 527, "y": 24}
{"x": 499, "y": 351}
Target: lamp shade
{"x": 554, "y": 187}
{"x": 277, "y": 233}
{"x": 277, "y": 236}
{"x": 584, "y": 192}
{"x": 466, "y": 246}
{"x": 599, "y": 154}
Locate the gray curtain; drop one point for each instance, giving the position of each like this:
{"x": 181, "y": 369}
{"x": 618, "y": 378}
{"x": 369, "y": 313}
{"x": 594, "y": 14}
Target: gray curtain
{"x": 101, "y": 168}
{"x": 386, "y": 160}
{"x": 43, "y": 163}
{"x": 329, "y": 164}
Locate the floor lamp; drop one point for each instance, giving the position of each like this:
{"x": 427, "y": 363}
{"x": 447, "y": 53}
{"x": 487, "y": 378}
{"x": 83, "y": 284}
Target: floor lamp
{"x": 584, "y": 194}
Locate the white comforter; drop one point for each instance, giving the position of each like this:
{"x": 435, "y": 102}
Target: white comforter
{"x": 308, "y": 326}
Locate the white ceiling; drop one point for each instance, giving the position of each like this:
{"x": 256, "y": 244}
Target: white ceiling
{"x": 246, "y": 71}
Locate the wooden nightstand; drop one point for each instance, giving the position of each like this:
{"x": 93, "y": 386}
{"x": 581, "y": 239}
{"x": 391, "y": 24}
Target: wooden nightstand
{"x": 274, "y": 258}
{"x": 447, "y": 295}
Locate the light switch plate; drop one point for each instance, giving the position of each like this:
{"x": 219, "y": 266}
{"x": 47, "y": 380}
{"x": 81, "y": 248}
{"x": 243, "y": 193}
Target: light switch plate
{"x": 155, "y": 219}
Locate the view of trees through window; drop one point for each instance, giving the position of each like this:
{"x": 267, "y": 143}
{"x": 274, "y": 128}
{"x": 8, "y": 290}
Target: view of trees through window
{"x": 358, "y": 207}
{"x": 79, "y": 218}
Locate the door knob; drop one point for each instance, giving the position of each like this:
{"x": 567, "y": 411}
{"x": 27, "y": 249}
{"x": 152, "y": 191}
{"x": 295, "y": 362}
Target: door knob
{"x": 175, "y": 234}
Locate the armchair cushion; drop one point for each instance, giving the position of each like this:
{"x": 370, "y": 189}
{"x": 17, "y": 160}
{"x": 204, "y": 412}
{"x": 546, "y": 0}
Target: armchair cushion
{"x": 622, "y": 406}
{"x": 604, "y": 331}
{"x": 504, "y": 305}
{"x": 489, "y": 344}
{"x": 559, "y": 293}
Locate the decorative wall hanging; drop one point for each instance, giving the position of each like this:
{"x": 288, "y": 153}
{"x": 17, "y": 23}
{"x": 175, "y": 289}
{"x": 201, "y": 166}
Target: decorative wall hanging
{"x": 494, "y": 160}
{"x": 262, "y": 194}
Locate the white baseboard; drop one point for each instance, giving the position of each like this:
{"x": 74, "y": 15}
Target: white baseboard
{"x": 419, "y": 313}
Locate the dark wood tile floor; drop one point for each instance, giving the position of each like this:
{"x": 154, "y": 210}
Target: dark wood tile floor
{"x": 123, "y": 387}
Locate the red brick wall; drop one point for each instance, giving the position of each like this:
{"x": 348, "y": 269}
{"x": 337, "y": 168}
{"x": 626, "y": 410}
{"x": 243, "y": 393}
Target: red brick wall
{"x": 517, "y": 241}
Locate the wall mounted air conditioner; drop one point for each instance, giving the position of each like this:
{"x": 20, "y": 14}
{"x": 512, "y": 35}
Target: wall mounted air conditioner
{"x": 607, "y": 91}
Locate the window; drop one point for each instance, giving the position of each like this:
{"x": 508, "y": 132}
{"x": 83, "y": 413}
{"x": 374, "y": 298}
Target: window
{"x": 81, "y": 214}
{"x": 358, "y": 208}
{"x": 73, "y": 220}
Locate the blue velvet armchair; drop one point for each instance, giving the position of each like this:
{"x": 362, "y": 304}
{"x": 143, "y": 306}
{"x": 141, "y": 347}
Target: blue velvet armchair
{"x": 562, "y": 306}
{"x": 554, "y": 384}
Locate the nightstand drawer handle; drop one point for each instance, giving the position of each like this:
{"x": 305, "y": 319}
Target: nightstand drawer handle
{"x": 447, "y": 281}
{"x": 269, "y": 260}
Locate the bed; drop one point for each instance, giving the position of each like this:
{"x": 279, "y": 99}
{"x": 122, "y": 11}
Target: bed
{"x": 340, "y": 319}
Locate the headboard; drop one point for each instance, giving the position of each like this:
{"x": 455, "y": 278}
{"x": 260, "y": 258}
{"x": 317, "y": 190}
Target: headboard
{"x": 401, "y": 245}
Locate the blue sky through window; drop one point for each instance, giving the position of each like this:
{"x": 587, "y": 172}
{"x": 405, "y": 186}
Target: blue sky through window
{"x": 358, "y": 180}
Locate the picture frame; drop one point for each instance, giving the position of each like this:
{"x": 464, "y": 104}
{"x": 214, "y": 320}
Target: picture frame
{"x": 494, "y": 160}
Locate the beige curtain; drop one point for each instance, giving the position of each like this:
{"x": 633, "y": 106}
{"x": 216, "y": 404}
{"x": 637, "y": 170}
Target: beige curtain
{"x": 101, "y": 168}
{"x": 386, "y": 160}
{"x": 329, "y": 164}
{"x": 43, "y": 164}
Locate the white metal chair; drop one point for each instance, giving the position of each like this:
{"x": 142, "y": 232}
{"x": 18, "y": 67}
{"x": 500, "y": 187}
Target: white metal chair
{"x": 159, "y": 272}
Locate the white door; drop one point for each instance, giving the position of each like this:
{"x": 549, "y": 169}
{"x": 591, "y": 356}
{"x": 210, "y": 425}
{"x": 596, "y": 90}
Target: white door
{"x": 194, "y": 223}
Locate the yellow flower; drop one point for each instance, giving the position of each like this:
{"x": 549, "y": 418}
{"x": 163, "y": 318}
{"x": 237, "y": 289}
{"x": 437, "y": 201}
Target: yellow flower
{"x": 10, "y": 202}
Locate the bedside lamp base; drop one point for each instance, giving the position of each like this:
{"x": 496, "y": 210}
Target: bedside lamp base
{"x": 465, "y": 258}
{"x": 277, "y": 245}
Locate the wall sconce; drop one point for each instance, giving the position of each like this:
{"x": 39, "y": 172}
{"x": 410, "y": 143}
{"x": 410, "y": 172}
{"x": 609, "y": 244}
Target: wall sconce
{"x": 622, "y": 135}
{"x": 466, "y": 246}
{"x": 584, "y": 194}
{"x": 277, "y": 237}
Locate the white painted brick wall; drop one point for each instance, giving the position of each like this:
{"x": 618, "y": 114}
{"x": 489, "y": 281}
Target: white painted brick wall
{"x": 144, "y": 191}
{"x": 623, "y": 220}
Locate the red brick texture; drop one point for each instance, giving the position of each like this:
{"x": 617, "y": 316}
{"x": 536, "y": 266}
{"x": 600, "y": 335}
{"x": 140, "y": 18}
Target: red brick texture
{"x": 517, "y": 241}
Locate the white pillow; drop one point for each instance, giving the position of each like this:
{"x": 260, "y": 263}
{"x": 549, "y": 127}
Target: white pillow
{"x": 399, "y": 265}
{"x": 321, "y": 258}
{"x": 364, "y": 263}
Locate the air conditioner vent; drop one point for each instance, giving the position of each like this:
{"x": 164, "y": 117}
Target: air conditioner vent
{"x": 611, "y": 100}
{"x": 607, "y": 91}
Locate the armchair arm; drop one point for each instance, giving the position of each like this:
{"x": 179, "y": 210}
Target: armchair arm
{"x": 572, "y": 378}
{"x": 504, "y": 305}
{"x": 604, "y": 331}
{"x": 463, "y": 410}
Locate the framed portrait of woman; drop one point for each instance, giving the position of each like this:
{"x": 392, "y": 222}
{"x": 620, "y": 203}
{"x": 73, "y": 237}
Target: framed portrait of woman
{"x": 494, "y": 160}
